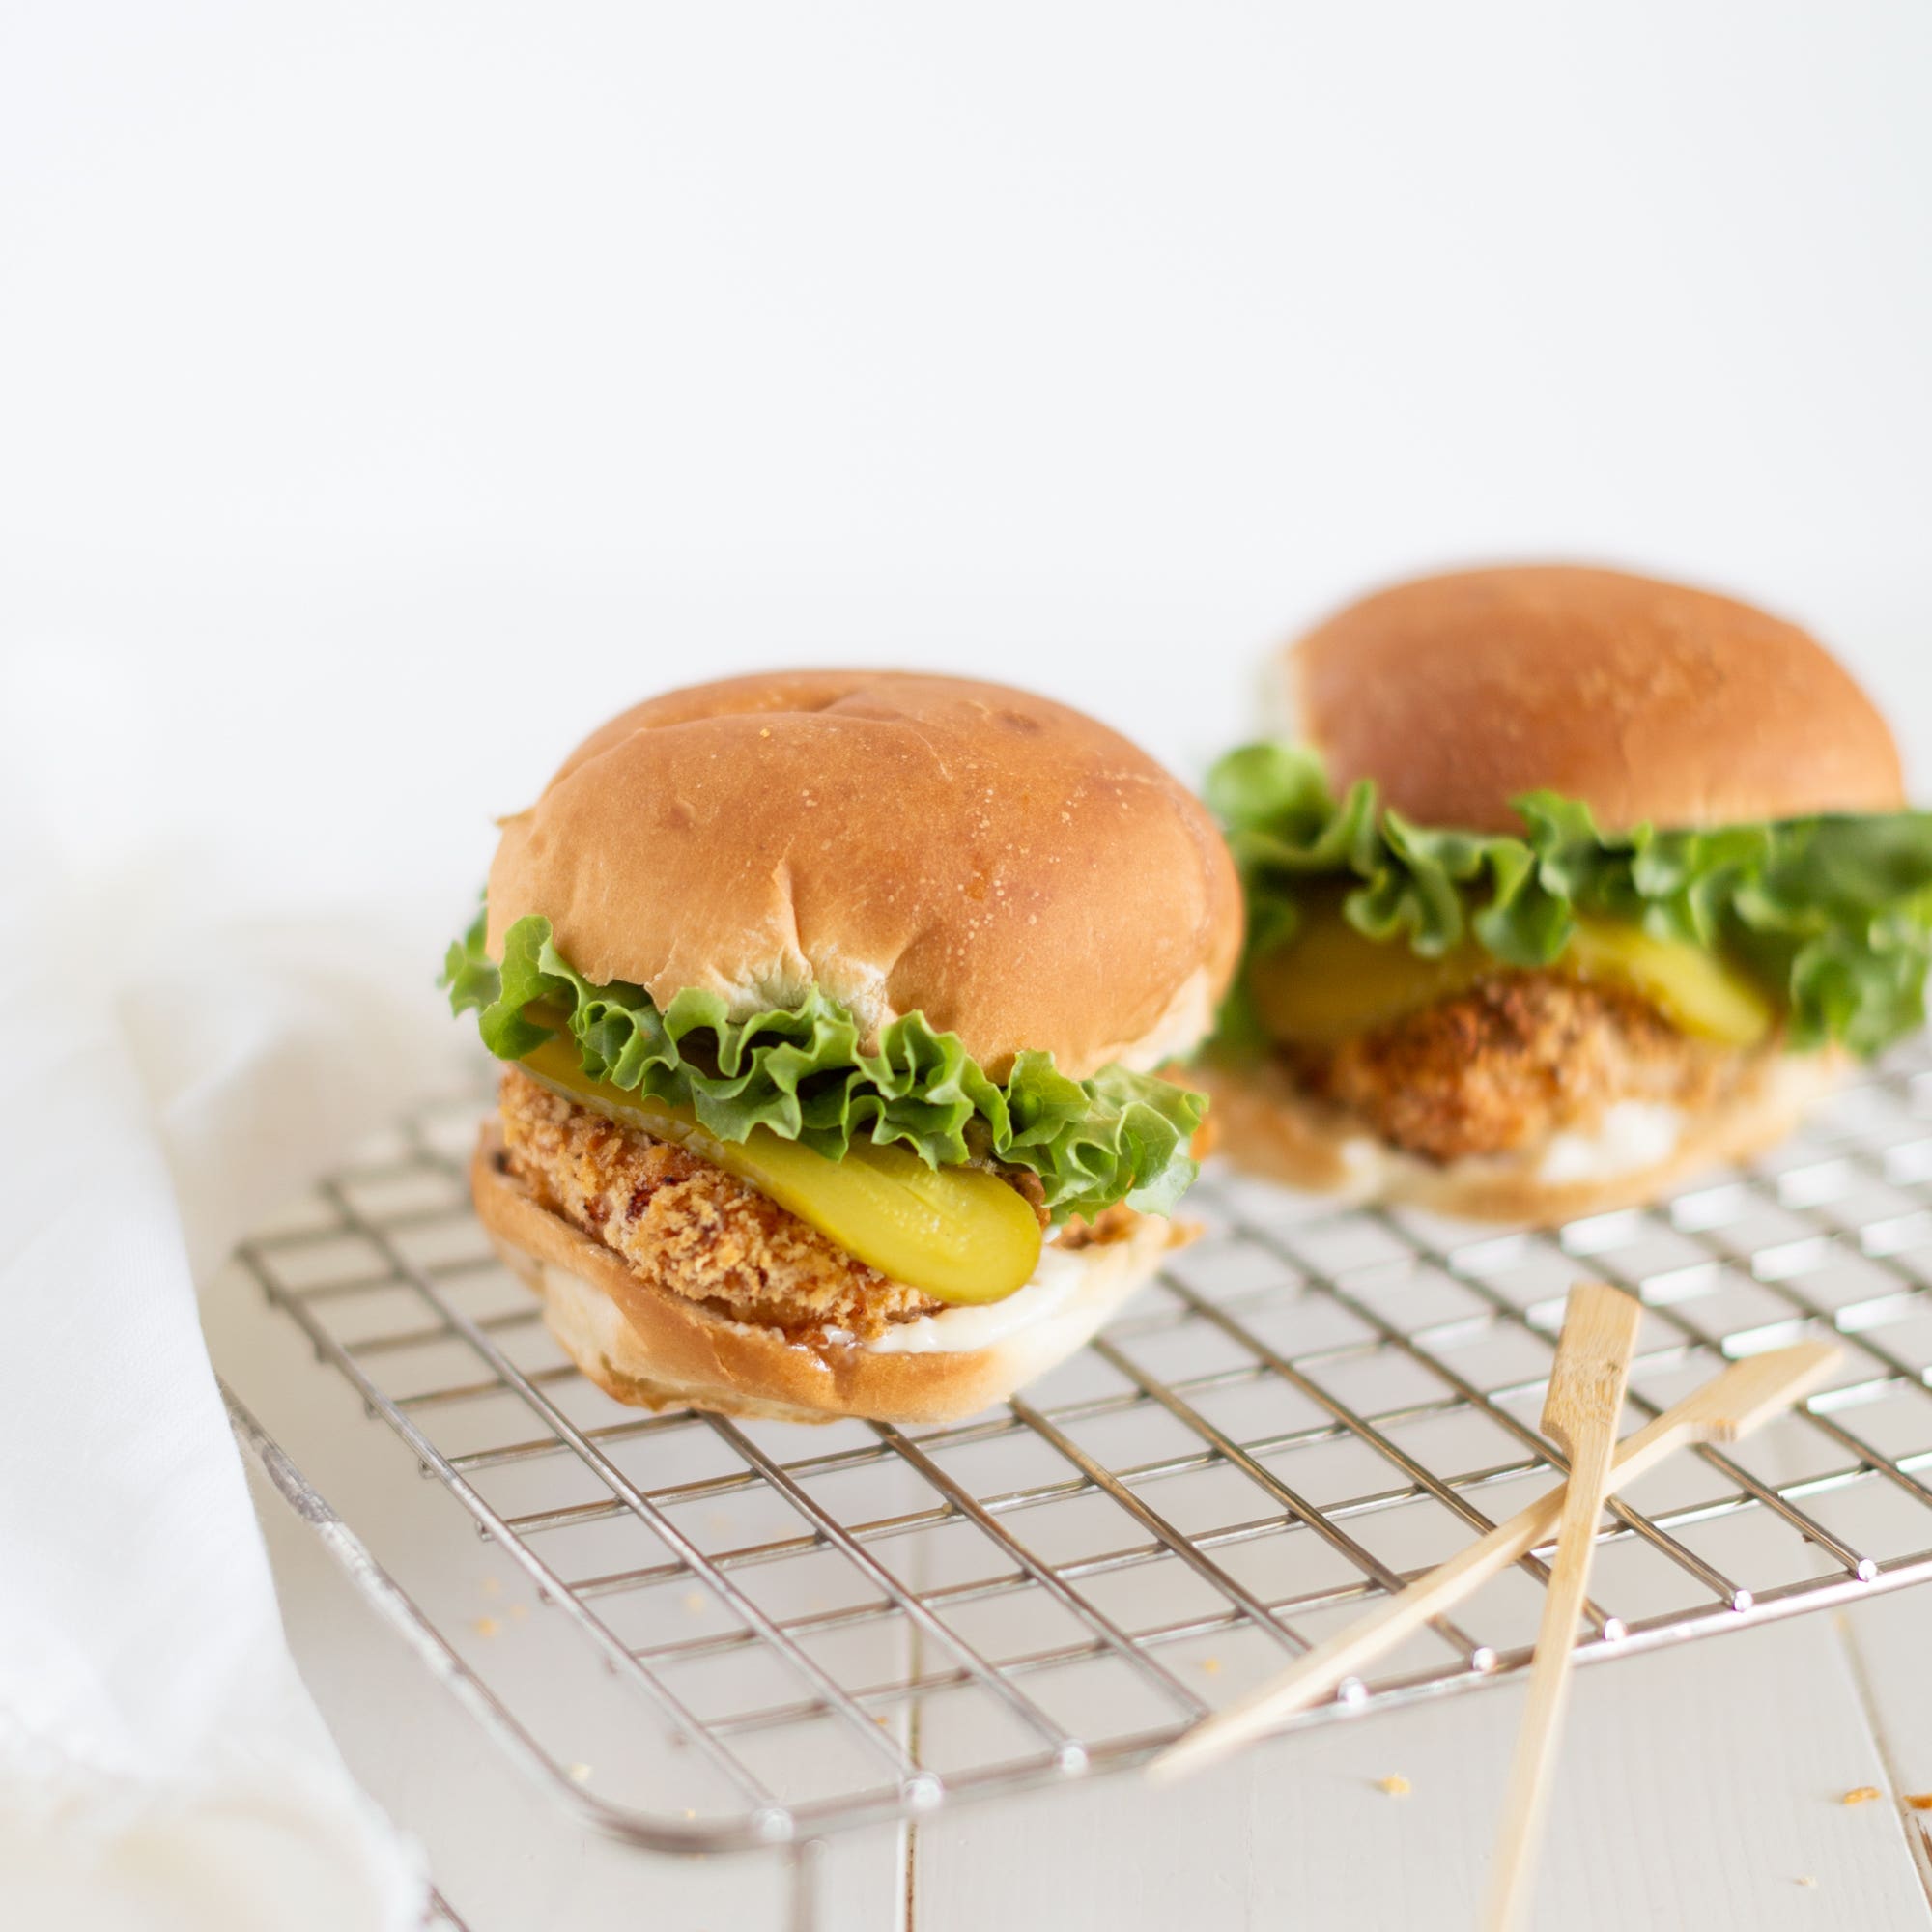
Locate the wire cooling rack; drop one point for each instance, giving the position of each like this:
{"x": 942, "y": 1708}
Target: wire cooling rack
{"x": 813, "y": 1629}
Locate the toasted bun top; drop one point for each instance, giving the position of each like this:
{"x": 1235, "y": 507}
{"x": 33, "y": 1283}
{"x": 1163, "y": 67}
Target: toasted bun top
{"x": 1021, "y": 874}
{"x": 1647, "y": 700}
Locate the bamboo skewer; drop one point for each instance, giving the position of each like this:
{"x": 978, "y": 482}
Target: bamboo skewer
{"x": 1747, "y": 1394}
{"x": 1580, "y": 1414}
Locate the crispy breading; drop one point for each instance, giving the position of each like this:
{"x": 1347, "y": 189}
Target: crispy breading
{"x": 690, "y": 1227}
{"x": 1512, "y": 1060}
{"x": 1110, "y": 1225}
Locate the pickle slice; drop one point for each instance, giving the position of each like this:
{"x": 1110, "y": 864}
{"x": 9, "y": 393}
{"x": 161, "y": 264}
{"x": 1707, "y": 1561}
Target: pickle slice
{"x": 1330, "y": 983}
{"x": 1697, "y": 991}
{"x": 958, "y": 1234}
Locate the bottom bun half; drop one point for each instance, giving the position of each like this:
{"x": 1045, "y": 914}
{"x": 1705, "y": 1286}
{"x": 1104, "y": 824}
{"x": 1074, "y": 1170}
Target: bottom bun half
{"x": 1267, "y": 1127}
{"x": 648, "y": 1347}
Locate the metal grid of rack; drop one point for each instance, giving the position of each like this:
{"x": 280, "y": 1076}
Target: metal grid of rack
{"x": 813, "y": 1629}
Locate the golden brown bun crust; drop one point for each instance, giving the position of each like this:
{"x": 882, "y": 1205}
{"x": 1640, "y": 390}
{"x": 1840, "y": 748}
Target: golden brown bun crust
{"x": 1647, "y": 700}
{"x": 648, "y": 1347}
{"x": 1018, "y": 873}
{"x": 1271, "y": 1128}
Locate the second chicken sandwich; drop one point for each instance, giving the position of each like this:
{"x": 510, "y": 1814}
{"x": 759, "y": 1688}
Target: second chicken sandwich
{"x": 1569, "y": 884}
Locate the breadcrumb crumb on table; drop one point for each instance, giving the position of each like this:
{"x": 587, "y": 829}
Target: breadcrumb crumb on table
{"x": 487, "y": 1627}
{"x": 1861, "y": 1794}
{"x": 579, "y": 1773}
{"x": 1918, "y": 1801}
{"x": 1394, "y": 1785}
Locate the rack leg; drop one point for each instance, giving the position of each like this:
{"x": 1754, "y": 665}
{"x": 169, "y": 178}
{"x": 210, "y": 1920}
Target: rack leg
{"x": 806, "y": 1858}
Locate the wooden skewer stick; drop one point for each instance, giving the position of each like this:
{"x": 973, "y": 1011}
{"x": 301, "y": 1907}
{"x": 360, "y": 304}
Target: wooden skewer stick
{"x": 1725, "y": 1408}
{"x": 1580, "y": 1414}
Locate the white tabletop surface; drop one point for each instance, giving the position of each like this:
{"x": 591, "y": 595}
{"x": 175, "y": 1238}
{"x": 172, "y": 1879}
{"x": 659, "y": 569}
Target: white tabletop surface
{"x": 392, "y": 396}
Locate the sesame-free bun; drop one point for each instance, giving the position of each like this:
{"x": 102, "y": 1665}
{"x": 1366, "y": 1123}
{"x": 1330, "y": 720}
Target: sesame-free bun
{"x": 1647, "y": 700}
{"x": 1269, "y": 1127}
{"x": 1016, "y": 872}
{"x": 650, "y": 1346}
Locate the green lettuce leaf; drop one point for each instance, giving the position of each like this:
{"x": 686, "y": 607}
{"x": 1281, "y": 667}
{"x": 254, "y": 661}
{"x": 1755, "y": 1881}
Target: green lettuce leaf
{"x": 801, "y": 1071}
{"x": 1832, "y": 915}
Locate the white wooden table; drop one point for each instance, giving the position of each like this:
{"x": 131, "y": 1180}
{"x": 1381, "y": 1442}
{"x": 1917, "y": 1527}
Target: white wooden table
{"x": 1701, "y": 1786}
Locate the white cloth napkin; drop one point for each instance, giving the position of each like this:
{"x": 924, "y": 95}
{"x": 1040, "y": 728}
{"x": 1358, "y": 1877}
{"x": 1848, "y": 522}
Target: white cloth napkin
{"x": 167, "y": 1080}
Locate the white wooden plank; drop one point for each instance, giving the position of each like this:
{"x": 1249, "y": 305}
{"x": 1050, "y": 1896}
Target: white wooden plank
{"x": 1891, "y": 1643}
{"x": 1699, "y": 1786}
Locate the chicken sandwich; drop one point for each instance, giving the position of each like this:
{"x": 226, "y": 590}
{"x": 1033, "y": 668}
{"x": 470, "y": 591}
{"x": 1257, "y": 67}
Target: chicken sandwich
{"x": 834, "y": 1006}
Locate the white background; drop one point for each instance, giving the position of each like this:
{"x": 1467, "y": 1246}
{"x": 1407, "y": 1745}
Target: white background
{"x": 389, "y": 393}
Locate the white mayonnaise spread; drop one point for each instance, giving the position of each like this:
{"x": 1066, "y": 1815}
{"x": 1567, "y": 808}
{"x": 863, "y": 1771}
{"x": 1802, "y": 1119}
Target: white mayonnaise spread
{"x": 1632, "y": 1134}
{"x": 1055, "y": 1283}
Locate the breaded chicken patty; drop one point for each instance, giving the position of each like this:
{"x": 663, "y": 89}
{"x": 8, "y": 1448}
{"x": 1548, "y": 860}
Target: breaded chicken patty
{"x": 690, "y": 1227}
{"x": 705, "y": 1234}
{"x": 1512, "y": 1060}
